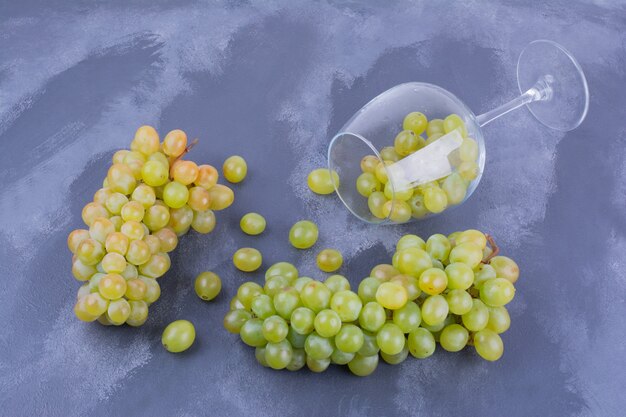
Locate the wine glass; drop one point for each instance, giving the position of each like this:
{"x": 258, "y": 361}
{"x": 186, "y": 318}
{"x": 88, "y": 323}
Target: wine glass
{"x": 425, "y": 176}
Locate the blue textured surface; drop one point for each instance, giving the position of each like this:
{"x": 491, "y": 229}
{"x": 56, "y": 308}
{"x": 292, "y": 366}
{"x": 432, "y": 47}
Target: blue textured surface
{"x": 273, "y": 81}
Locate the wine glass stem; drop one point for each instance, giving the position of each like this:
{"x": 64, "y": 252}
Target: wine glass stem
{"x": 542, "y": 90}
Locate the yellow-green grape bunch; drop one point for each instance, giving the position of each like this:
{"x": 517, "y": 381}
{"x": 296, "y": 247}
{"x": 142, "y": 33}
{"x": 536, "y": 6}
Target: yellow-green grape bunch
{"x": 150, "y": 197}
{"x": 446, "y": 290}
{"x": 417, "y": 202}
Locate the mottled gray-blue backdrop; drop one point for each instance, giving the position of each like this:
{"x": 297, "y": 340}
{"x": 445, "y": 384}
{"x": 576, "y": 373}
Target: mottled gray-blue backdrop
{"x": 272, "y": 81}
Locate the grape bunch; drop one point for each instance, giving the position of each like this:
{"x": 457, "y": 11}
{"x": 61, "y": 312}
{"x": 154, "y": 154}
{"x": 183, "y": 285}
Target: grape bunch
{"x": 424, "y": 199}
{"x": 450, "y": 290}
{"x": 150, "y": 197}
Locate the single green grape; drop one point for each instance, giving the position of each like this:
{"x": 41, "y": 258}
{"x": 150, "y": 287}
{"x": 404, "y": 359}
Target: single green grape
{"x": 220, "y": 197}
{"x": 499, "y": 319}
{"x": 347, "y": 305}
{"x": 349, "y": 339}
{"x": 153, "y": 290}
{"x": 468, "y": 253}
{"x": 298, "y": 360}
{"x": 81, "y": 271}
{"x": 339, "y": 357}
{"x": 135, "y": 289}
{"x": 410, "y": 284}
{"x": 302, "y": 320}
{"x": 113, "y": 263}
{"x": 316, "y": 296}
{"x": 178, "y": 336}
{"x": 363, "y": 365}
{"x": 155, "y": 173}
{"x": 283, "y": 269}
{"x": 415, "y": 121}
{"x": 275, "y": 329}
{"x": 407, "y": 142}
{"x": 472, "y": 236}
{"x": 75, "y": 238}
{"x": 505, "y": 268}
{"x": 235, "y": 169}
{"x": 435, "y": 126}
{"x": 144, "y": 195}
{"x": 453, "y": 337}
{"x": 259, "y": 355}
{"x": 468, "y": 150}
{"x": 453, "y": 122}
{"x": 477, "y": 318}
{"x": 390, "y": 339}
{"x": 118, "y": 311}
{"x": 251, "y": 333}
{"x": 433, "y": 281}
{"x": 156, "y": 266}
{"x": 416, "y": 203}
{"x": 252, "y": 224}
{"x": 336, "y": 283}
{"x": 434, "y": 309}
{"x": 138, "y": 313}
{"x": 468, "y": 171}
{"x": 138, "y": 252}
{"x": 156, "y": 217}
{"x": 262, "y": 306}
{"x": 398, "y": 358}
{"x": 175, "y": 194}
{"x": 317, "y": 365}
{"x": 388, "y": 153}
{"x": 412, "y": 261}
{"x": 369, "y": 163}
{"x": 321, "y": 182}
{"x": 370, "y": 346}
{"x": 410, "y": 241}
{"x": 459, "y": 301}
{"x": 392, "y": 192}
{"x": 367, "y": 183}
{"x": 246, "y": 293}
{"x": 408, "y": 318}
{"x": 384, "y": 272}
{"x": 133, "y": 230}
{"x": 460, "y": 276}
{"x": 318, "y": 347}
{"x": 235, "y": 319}
{"x": 95, "y": 304}
{"x": 368, "y": 288}
{"x": 398, "y": 211}
{"x": 286, "y": 301}
{"x": 482, "y": 273}
{"x": 247, "y": 259}
{"x": 488, "y": 345}
{"x": 375, "y": 203}
{"x": 391, "y": 295}
{"x": 372, "y": 316}
{"x": 90, "y": 251}
{"x": 455, "y": 188}
{"x": 303, "y": 234}
{"x": 435, "y": 199}
{"x": 100, "y": 228}
{"x": 112, "y": 286}
{"x": 327, "y": 323}
{"x": 207, "y": 285}
{"x": 497, "y": 292}
{"x": 438, "y": 247}
{"x": 121, "y": 179}
{"x": 329, "y": 260}
{"x": 381, "y": 169}
{"x": 296, "y": 339}
{"x": 275, "y": 284}
{"x": 421, "y": 343}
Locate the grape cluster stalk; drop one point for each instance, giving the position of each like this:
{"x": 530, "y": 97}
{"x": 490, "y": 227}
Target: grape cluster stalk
{"x": 150, "y": 197}
{"x": 446, "y": 290}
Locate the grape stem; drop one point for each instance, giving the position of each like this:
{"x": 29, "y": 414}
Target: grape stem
{"x": 495, "y": 250}
{"x": 188, "y": 148}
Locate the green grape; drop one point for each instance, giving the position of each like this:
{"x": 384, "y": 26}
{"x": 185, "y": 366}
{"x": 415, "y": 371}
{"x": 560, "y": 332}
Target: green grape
{"x": 468, "y": 253}
{"x": 296, "y": 339}
{"x": 435, "y": 126}
{"x": 168, "y": 239}
{"x": 94, "y": 304}
{"x": 153, "y": 290}
{"x": 453, "y": 122}
{"x": 235, "y": 169}
{"x": 135, "y": 160}
{"x": 370, "y": 346}
{"x": 207, "y": 176}
{"x": 144, "y": 195}
{"x": 92, "y": 211}
{"x": 275, "y": 285}
{"x": 75, "y": 238}
{"x": 251, "y": 333}
{"x": 299, "y": 283}
{"x": 203, "y": 221}
{"x": 459, "y": 301}
{"x": 455, "y": 188}
{"x": 327, "y": 323}
{"x": 262, "y": 306}
{"x": 83, "y": 291}
{"x": 156, "y": 217}
{"x": 381, "y": 169}
{"x": 236, "y": 304}
{"x": 303, "y": 234}
{"x": 340, "y": 357}
{"x": 235, "y": 319}
{"x": 453, "y": 337}
{"x": 317, "y": 365}
{"x": 302, "y": 319}
{"x": 468, "y": 171}
{"x": 329, "y": 260}
{"x": 410, "y": 241}
{"x": 252, "y": 224}
{"x": 372, "y": 316}
{"x": 433, "y": 281}
{"x": 175, "y": 194}
{"x": 259, "y": 354}
{"x": 460, "y": 276}
{"x": 90, "y": 252}
{"x": 438, "y": 246}
{"x": 505, "y": 268}
{"x": 135, "y": 289}
{"x": 410, "y": 284}
{"x": 133, "y": 230}
{"x": 316, "y": 296}
{"x": 469, "y": 150}
{"x": 434, "y": 309}
{"x": 369, "y": 163}
{"x": 435, "y": 199}
{"x": 286, "y": 301}
{"x": 433, "y": 138}
{"x": 393, "y": 193}
{"x": 132, "y": 210}
{"x": 81, "y": 271}
{"x": 247, "y": 259}
{"x": 388, "y": 153}
{"x": 318, "y": 347}
{"x": 246, "y": 293}
{"x": 391, "y": 295}
{"x": 153, "y": 242}
{"x": 94, "y": 281}
{"x": 435, "y": 329}
{"x": 221, "y": 197}
{"x": 367, "y": 183}
{"x": 336, "y": 283}
{"x": 472, "y": 236}
{"x": 397, "y": 211}
{"x": 347, "y": 305}
{"x": 184, "y": 172}
{"x": 349, "y": 339}
{"x": 437, "y": 264}
{"x": 207, "y": 285}
{"x": 412, "y": 261}
{"x": 488, "y": 345}
{"x": 155, "y": 173}
{"x": 178, "y": 336}
{"x": 100, "y": 228}
{"x": 320, "y": 181}
{"x": 398, "y": 358}
{"x": 175, "y": 143}
{"x": 497, "y": 292}
{"x": 298, "y": 360}
{"x": 415, "y": 121}
{"x": 121, "y": 179}
{"x": 275, "y": 329}
{"x": 477, "y": 318}
{"x": 118, "y": 311}
{"x": 384, "y": 272}
{"x": 407, "y": 142}
{"x": 283, "y": 269}
{"x": 499, "y": 319}
{"x": 138, "y": 252}
{"x": 130, "y": 272}
{"x": 363, "y": 365}
{"x": 112, "y": 286}
{"x": 138, "y": 313}
{"x": 416, "y": 203}
{"x": 146, "y": 140}
{"x": 390, "y": 339}
{"x": 199, "y": 199}
{"x": 375, "y": 202}
{"x": 408, "y": 318}
{"x": 160, "y": 157}
{"x": 421, "y": 343}
{"x": 156, "y": 266}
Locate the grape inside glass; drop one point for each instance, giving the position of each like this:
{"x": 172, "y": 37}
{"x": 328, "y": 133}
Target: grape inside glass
{"x": 417, "y": 150}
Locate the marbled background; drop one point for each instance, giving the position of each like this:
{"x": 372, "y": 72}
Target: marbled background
{"x": 272, "y": 81}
